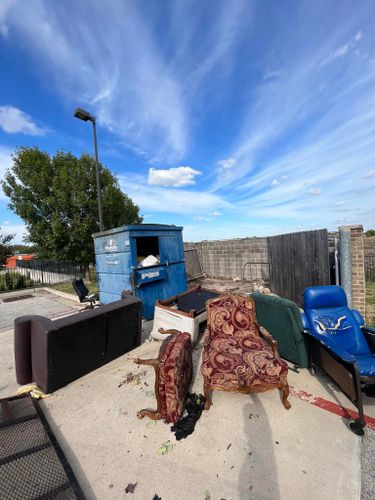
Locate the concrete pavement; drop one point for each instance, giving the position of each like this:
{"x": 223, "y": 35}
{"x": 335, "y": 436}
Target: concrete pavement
{"x": 245, "y": 447}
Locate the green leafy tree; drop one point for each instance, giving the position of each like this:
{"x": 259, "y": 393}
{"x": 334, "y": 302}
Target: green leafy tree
{"x": 56, "y": 197}
{"x": 370, "y": 232}
{"x": 6, "y": 249}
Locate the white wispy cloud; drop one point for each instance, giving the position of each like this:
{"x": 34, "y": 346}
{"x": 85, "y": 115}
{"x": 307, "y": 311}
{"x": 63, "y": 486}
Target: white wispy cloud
{"x": 15, "y": 121}
{"x": 172, "y": 177}
{"x": 343, "y": 49}
{"x": 314, "y": 191}
{"x": 227, "y": 164}
{"x": 168, "y": 200}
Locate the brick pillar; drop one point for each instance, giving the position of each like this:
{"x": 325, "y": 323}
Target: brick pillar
{"x": 358, "y": 269}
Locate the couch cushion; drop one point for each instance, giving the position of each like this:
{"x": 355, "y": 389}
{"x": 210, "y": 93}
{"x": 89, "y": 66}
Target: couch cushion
{"x": 176, "y": 368}
{"x": 250, "y": 363}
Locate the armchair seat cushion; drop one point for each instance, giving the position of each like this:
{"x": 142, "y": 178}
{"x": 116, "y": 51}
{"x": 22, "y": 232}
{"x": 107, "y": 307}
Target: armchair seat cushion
{"x": 242, "y": 360}
{"x": 366, "y": 365}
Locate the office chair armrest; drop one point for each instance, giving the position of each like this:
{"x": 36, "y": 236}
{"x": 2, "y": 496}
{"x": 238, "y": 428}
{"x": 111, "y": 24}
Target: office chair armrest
{"x": 369, "y": 333}
{"x": 368, "y": 329}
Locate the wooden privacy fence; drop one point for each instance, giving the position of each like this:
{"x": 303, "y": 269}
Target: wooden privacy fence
{"x": 370, "y": 267}
{"x": 192, "y": 264}
{"x": 298, "y": 260}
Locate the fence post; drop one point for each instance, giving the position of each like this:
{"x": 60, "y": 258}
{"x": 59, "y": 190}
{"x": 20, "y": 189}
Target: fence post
{"x": 345, "y": 249}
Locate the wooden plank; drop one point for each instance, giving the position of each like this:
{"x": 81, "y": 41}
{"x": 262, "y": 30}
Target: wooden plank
{"x": 298, "y": 260}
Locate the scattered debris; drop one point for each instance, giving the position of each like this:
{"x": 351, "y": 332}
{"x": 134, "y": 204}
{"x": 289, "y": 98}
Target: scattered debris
{"x": 151, "y": 424}
{"x": 150, "y": 393}
{"x": 251, "y": 487}
{"x": 110, "y": 485}
{"x": 165, "y": 448}
{"x": 304, "y": 471}
{"x": 132, "y": 378}
{"x": 33, "y": 390}
{"x": 253, "y": 415}
{"x": 130, "y": 488}
{"x": 207, "y": 495}
{"x": 232, "y": 467}
{"x": 229, "y": 445}
{"x": 277, "y": 442}
{"x": 156, "y": 497}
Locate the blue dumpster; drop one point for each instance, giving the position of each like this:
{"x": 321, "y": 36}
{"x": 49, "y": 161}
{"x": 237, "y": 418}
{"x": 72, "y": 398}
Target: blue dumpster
{"x": 119, "y": 253}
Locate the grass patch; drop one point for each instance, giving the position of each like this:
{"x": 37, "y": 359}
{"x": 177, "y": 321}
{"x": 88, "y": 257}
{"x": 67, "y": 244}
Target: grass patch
{"x": 370, "y": 303}
{"x": 68, "y": 288}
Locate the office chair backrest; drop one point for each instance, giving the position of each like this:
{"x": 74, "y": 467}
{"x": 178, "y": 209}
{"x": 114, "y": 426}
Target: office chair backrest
{"x": 328, "y": 314}
{"x": 80, "y": 288}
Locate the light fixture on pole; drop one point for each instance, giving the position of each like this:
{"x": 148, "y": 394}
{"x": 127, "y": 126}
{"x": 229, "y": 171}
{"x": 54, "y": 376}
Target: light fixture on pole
{"x": 85, "y": 116}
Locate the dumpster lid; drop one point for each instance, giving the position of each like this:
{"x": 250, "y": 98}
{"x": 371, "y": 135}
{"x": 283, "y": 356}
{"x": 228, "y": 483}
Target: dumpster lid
{"x": 139, "y": 227}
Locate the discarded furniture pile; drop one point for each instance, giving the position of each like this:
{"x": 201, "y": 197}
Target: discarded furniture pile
{"x": 239, "y": 356}
{"x": 54, "y": 353}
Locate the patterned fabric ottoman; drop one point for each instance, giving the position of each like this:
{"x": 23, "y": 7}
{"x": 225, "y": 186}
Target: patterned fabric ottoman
{"x": 173, "y": 372}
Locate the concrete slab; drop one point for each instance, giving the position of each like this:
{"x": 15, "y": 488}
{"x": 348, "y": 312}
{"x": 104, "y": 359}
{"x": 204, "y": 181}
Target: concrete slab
{"x": 244, "y": 447}
{"x": 41, "y": 302}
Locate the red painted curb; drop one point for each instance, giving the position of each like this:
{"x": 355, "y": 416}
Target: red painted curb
{"x": 324, "y": 404}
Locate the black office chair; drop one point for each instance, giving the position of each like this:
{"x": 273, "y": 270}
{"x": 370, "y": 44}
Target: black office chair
{"x": 83, "y": 293}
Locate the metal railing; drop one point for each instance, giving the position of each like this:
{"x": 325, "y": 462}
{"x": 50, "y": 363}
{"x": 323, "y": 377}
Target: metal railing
{"x": 32, "y": 273}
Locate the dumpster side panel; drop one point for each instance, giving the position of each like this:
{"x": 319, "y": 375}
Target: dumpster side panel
{"x": 174, "y": 283}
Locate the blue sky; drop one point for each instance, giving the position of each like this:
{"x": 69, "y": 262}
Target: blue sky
{"x": 231, "y": 118}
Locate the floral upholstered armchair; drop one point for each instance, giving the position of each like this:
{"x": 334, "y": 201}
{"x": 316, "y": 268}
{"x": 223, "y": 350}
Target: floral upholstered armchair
{"x": 173, "y": 371}
{"x": 239, "y": 355}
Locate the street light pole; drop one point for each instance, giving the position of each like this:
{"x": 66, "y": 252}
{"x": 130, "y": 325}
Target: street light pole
{"x": 100, "y": 207}
{"x": 86, "y": 116}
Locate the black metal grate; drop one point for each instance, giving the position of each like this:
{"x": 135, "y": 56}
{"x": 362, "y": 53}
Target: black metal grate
{"x": 32, "y": 464}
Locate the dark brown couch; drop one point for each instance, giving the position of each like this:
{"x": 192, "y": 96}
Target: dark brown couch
{"x": 54, "y": 353}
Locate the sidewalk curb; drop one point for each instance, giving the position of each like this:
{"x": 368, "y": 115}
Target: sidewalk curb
{"x": 64, "y": 295}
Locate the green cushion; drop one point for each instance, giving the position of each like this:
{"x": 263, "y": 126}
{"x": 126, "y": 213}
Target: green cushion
{"x": 281, "y": 317}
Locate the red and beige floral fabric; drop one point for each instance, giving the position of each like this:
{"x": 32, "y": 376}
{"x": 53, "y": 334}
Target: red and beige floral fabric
{"x": 234, "y": 354}
{"x": 176, "y": 368}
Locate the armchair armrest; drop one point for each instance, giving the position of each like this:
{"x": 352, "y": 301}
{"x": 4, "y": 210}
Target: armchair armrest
{"x": 172, "y": 331}
{"x": 369, "y": 333}
{"x": 335, "y": 348}
{"x": 368, "y": 329}
{"x": 268, "y": 337}
{"x": 150, "y": 362}
{"x": 206, "y": 338}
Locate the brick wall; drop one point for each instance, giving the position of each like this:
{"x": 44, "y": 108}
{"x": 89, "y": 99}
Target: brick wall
{"x": 358, "y": 269}
{"x": 227, "y": 258}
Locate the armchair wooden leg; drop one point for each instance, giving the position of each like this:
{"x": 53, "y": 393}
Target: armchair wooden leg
{"x": 153, "y": 414}
{"x": 284, "y": 388}
{"x": 208, "y": 395}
